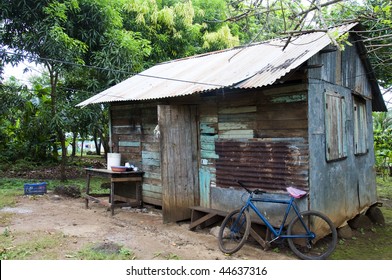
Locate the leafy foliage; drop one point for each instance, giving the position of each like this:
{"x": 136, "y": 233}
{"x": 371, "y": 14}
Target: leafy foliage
{"x": 377, "y": 20}
{"x": 383, "y": 141}
{"x": 24, "y": 130}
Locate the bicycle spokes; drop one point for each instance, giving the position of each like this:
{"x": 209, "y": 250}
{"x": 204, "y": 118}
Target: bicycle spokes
{"x": 315, "y": 236}
{"x": 234, "y": 231}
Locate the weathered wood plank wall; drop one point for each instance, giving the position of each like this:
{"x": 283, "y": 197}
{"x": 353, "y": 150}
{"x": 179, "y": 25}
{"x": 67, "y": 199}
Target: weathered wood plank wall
{"x": 343, "y": 187}
{"x": 133, "y": 136}
{"x": 179, "y": 161}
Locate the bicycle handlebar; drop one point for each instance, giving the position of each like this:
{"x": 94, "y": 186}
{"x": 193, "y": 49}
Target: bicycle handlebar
{"x": 257, "y": 191}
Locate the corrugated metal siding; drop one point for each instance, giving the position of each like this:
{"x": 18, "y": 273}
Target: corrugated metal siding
{"x": 252, "y": 66}
{"x": 273, "y": 164}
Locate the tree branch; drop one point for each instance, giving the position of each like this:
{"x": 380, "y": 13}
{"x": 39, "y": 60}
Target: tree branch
{"x": 297, "y": 25}
{"x": 379, "y": 37}
{"x": 321, "y": 6}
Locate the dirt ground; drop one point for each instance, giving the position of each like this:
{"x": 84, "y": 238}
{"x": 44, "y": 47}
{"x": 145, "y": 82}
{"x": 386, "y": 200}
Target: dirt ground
{"x": 142, "y": 232}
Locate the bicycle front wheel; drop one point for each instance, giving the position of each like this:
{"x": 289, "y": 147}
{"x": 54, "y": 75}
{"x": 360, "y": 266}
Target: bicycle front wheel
{"x": 323, "y": 241}
{"x": 234, "y": 231}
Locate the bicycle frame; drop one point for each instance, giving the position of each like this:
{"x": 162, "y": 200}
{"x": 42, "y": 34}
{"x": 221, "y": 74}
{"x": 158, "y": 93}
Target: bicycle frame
{"x": 290, "y": 205}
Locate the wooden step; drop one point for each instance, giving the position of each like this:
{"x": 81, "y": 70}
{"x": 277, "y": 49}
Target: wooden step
{"x": 204, "y": 217}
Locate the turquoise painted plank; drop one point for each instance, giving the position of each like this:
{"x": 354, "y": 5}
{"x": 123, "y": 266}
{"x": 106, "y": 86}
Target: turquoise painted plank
{"x": 207, "y": 146}
{"x": 237, "y": 134}
{"x": 151, "y": 175}
{"x": 205, "y": 180}
{"x": 206, "y": 128}
{"x": 151, "y": 155}
{"x": 208, "y": 138}
{"x": 129, "y": 143}
{"x": 152, "y": 188}
{"x": 208, "y": 154}
{"x": 289, "y": 98}
{"x": 153, "y": 162}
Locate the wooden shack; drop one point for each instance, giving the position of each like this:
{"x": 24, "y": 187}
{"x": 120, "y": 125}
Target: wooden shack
{"x": 271, "y": 114}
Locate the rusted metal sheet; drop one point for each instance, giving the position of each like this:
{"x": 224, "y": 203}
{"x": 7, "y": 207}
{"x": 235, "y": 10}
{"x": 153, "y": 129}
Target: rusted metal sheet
{"x": 252, "y": 66}
{"x": 270, "y": 164}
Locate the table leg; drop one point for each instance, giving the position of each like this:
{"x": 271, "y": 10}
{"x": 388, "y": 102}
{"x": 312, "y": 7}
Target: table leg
{"x": 87, "y": 190}
{"x": 111, "y": 197}
{"x": 139, "y": 195}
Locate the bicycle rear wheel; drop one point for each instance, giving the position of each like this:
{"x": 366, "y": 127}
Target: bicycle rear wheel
{"x": 324, "y": 241}
{"x": 234, "y": 231}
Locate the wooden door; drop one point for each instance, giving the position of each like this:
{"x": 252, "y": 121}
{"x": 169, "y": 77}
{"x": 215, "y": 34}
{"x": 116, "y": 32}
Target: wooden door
{"x": 179, "y": 160}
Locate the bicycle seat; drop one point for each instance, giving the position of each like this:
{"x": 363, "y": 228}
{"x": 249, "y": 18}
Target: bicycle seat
{"x": 296, "y": 193}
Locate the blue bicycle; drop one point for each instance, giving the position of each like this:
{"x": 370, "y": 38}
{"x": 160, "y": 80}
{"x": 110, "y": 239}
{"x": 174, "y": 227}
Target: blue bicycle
{"x": 310, "y": 234}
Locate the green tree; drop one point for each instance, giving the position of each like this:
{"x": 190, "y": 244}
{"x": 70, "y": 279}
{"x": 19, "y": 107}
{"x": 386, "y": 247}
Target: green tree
{"x": 176, "y": 29}
{"x": 39, "y": 30}
{"x": 24, "y": 122}
{"x": 376, "y": 17}
{"x": 64, "y": 34}
{"x": 382, "y": 124}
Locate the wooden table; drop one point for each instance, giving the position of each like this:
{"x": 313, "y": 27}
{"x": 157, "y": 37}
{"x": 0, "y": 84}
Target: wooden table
{"x": 116, "y": 200}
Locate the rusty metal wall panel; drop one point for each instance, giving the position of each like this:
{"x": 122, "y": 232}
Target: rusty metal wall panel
{"x": 268, "y": 164}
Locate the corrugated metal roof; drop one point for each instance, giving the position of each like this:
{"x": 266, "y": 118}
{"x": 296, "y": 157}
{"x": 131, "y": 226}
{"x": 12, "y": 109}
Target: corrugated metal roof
{"x": 252, "y": 66}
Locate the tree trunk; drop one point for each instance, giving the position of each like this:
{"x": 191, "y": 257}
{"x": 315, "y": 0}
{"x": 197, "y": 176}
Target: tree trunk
{"x": 81, "y": 148}
{"x": 97, "y": 143}
{"x": 105, "y": 143}
{"x": 74, "y": 137}
{"x": 63, "y": 176}
{"x": 53, "y": 74}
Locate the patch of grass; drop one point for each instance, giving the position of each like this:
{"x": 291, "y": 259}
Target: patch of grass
{"x": 387, "y": 212}
{"x": 371, "y": 244}
{"x": 384, "y": 187}
{"x": 95, "y": 183}
{"x": 11, "y": 188}
{"x": 5, "y": 219}
{"x": 109, "y": 252}
{"x": 40, "y": 245}
{"x": 35, "y": 245}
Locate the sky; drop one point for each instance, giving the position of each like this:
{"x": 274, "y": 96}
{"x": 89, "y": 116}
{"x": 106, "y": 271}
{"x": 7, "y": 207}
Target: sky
{"x": 17, "y": 71}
